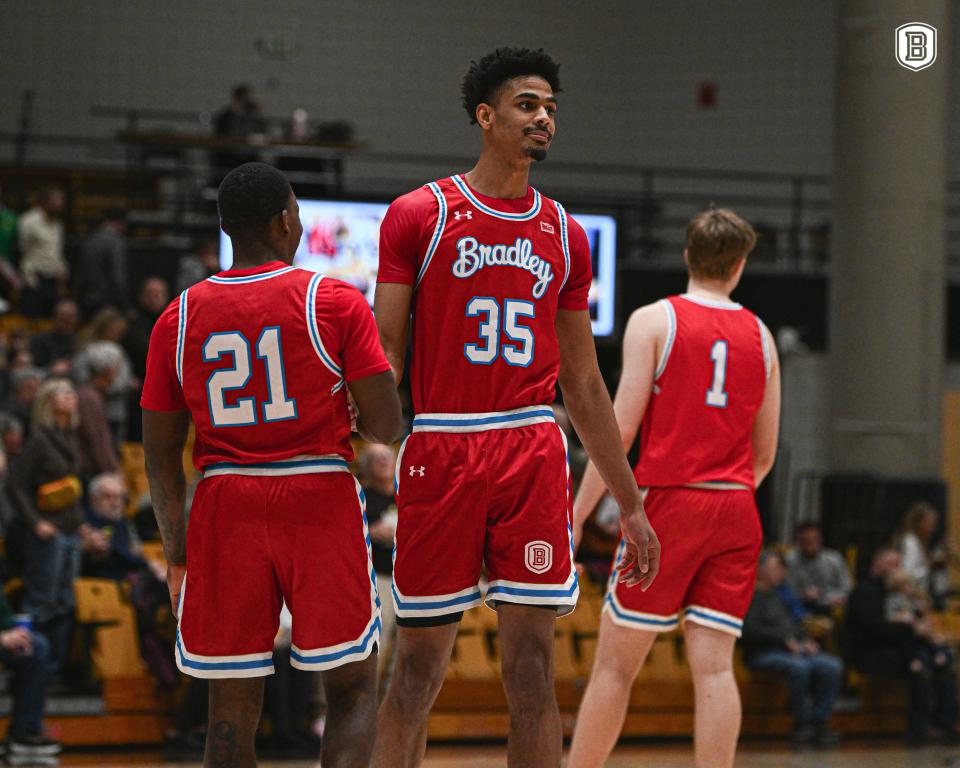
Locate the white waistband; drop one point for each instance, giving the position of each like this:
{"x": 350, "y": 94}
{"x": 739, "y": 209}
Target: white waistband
{"x": 719, "y": 485}
{"x": 298, "y": 465}
{"x": 481, "y": 422}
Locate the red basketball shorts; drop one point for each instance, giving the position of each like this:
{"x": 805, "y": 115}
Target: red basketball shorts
{"x": 260, "y": 535}
{"x": 483, "y": 489}
{"x": 710, "y": 542}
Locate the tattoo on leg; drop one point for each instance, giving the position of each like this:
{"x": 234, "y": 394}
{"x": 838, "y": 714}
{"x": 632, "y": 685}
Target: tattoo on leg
{"x": 224, "y": 750}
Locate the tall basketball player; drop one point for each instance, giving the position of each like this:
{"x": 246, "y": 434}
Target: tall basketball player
{"x": 496, "y": 276}
{"x": 261, "y": 356}
{"x": 700, "y": 374}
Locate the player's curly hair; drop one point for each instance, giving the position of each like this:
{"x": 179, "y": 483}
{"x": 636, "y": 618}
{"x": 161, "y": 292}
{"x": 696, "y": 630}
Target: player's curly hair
{"x": 485, "y": 76}
{"x": 249, "y": 197}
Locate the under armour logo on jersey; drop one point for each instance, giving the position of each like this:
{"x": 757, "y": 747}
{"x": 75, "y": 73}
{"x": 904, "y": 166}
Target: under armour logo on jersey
{"x": 417, "y": 471}
{"x": 463, "y": 214}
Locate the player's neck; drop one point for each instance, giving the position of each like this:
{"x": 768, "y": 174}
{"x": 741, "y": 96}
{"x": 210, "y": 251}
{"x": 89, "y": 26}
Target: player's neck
{"x": 714, "y": 290}
{"x": 248, "y": 258}
{"x": 495, "y": 176}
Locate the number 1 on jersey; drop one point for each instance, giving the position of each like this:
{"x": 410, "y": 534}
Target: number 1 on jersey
{"x": 716, "y": 396}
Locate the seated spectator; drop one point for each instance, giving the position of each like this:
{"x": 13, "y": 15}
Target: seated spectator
{"x": 101, "y": 279}
{"x": 199, "y": 265}
{"x": 11, "y": 435}
{"x": 922, "y": 556}
{"x": 774, "y": 641}
{"x": 110, "y": 325}
{"x": 97, "y": 452}
{"x": 377, "y": 466}
{"x": 55, "y": 348}
{"x": 880, "y": 640}
{"x": 818, "y": 575}
{"x": 25, "y": 653}
{"x": 42, "y": 259}
{"x": 45, "y": 491}
{"x": 24, "y": 385}
{"x": 108, "y": 545}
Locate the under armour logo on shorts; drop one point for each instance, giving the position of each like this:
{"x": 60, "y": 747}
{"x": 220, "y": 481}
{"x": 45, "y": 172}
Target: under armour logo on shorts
{"x": 464, "y": 214}
{"x": 538, "y": 556}
{"x": 417, "y": 471}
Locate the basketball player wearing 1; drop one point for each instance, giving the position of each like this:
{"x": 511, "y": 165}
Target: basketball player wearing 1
{"x": 261, "y": 357}
{"x": 700, "y": 374}
{"x": 496, "y": 277}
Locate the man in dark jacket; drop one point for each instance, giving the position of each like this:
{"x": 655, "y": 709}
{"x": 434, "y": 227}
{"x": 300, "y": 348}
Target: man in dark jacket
{"x": 102, "y": 275}
{"x": 878, "y": 646}
{"x": 774, "y": 641}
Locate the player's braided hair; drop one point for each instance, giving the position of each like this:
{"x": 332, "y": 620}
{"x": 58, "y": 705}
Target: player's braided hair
{"x": 485, "y": 76}
{"x": 250, "y": 196}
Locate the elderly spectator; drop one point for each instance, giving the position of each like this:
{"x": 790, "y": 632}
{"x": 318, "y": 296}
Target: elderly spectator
{"x": 377, "y": 466}
{"x": 151, "y": 301}
{"x": 45, "y": 490}
{"x": 25, "y": 653}
{"x": 104, "y": 360}
{"x": 55, "y": 348}
{"x": 107, "y": 543}
{"x": 102, "y": 273}
{"x": 24, "y": 385}
{"x": 817, "y": 574}
{"x": 111, "y": 326}
{"x": 921, "y": 555}
{"x": 878, "y": 641}
{"x": 774, "y": 641}
{"x": 199, "y": 265}
{"x": 11, "y": 435}
{"x": 42, "y": 261}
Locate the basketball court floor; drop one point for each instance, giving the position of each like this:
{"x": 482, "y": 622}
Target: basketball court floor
{"x": 889, "y": 755}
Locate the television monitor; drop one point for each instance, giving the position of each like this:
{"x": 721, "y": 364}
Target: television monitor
{"x": 341, "y": 239}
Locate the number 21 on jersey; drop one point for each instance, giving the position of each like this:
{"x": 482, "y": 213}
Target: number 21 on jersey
{"x": 517, "y": 349}
{"x": 243, "y": 413}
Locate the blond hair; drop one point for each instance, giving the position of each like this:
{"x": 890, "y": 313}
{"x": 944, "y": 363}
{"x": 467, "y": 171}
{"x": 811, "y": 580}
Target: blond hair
{"x": 716, "y": 241}
{"x": 43, "y": 405}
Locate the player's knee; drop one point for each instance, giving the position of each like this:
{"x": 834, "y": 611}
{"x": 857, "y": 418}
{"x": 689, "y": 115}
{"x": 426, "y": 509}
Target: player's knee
{"x": 526, "y": 677}
{"x": 417, "y": 678}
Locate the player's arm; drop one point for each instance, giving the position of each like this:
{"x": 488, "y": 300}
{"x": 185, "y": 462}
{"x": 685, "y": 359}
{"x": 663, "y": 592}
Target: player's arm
{"x": 586, "y": 399}
{"x": 766, "y": 426}
{"x": 642, "y": 341}
{"x": 391, "y": 306}
{"x": 164, "y": 438}
{"x": 379, "y": 417}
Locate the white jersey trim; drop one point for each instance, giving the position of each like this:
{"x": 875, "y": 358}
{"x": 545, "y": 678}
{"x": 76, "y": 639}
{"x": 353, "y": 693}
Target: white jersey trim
{"x": 564, "y": 241}
{"x": 765, "y": 344}
{"x": 437, "y": 231}
{"x": 297, "y": 465}
{"x": 481, "y": 422}
{"x": 313, "y": 330}
{"x": 181, "y": 334}
{"x": 728, "y": 305}
{"x": 671, "y": 337}
{"x": 475, "y": 202}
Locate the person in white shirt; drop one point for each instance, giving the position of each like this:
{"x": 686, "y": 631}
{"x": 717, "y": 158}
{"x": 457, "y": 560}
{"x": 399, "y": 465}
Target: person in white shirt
{"x": 42, "y": 261}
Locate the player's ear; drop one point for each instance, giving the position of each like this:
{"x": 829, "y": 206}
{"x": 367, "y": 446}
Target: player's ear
{"x": 686, "y": 257}
{"x": 284, "y": 220}
{"x": 484, "y": 116}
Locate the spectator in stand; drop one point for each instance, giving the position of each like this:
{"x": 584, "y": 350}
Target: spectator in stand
{"x": 55, "y": 348}
{"x": 24, "y": 383}
{"x": 45, "y": 490}
{"x": 42, "y": 260}
{"x": 152, "y": 299}
{"x": 97, "y": 453}
{"x": 101, "y": 279}
{"x": 109, "y": 325}
{"x": 199, "y": 265}
{"x": 11, "y": 435}
{"x": 25, "y": 653}
{"x": 876, "y": 644}
{"x": 241, "y": 118}
{"x": 921, "y": 554}
{"x": 109, "y": 546}
{"x": 817, "y": 574}
{"x": 377, "y": 465}
{"x": 774, "y": 641}
{"x": 9, "y": 276}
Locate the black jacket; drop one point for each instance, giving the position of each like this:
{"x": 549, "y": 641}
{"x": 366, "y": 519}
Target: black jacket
{"x": 865, "y": 628}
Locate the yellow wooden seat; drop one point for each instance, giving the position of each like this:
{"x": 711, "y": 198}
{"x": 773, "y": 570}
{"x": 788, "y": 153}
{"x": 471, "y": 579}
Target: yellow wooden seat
{"x": 566, "y": 665}
{"x": 104, "y": 609}
{"x": 471, "y": 659}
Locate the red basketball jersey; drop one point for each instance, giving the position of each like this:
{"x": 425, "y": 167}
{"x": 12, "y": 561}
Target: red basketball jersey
{"x": 708, "y": 387}
{"x": 489, "y": 276}
{"x": 259, "y": 357}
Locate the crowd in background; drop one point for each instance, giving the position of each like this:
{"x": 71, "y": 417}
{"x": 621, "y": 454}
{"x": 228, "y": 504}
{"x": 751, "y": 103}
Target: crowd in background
{"x": 70, "y": 380}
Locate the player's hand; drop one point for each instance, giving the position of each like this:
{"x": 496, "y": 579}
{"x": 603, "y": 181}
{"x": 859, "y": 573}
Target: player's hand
{"x": 175, "y": 578}
{"x": 641, "y": 560}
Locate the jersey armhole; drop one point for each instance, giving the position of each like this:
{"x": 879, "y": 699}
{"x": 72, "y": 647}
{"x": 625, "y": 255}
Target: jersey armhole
{"x": 437, "y": 230}
{"x": 181, "y": 334}
{"x": 565, "y": 243}
{"x": 313, "y": 330}
{"x": 671, "y": 337}
{"x": 765, "y": 345}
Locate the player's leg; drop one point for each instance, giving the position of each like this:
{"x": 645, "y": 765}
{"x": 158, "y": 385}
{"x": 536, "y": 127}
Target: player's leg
{"x": 526, "y": 651}
{"x": 234, "y": 715}
{"x": 351, "y": 714}
{"x": 717, "y": 699}
{"x": 620, "y": 655}
{"x": 423, "y": 654}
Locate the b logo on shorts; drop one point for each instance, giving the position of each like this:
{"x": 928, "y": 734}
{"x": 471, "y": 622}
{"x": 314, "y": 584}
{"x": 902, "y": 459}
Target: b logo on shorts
{"x": 539, "y": 556}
